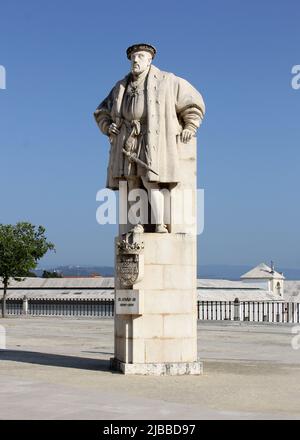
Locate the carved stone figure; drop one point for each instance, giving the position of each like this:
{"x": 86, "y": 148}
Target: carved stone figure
{"x": 145, "y": 116}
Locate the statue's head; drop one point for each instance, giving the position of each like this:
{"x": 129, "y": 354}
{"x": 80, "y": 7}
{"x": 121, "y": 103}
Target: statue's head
{"x": 141, "y": 56}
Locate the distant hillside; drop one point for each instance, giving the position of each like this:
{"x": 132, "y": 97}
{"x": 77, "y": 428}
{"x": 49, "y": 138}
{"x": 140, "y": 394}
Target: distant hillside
{"x": 214, "y": 271}
{"x": 80, "y": 271}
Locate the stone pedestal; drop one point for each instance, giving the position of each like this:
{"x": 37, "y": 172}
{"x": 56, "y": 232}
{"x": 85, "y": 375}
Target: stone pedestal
{"x": 156, "y": 320}
{"x": 158, "y": 369}
{"x": 155, "y": 287}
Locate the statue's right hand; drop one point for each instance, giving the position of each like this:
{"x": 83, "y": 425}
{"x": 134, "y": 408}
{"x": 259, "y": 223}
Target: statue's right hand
{"x": 113, "y": 129}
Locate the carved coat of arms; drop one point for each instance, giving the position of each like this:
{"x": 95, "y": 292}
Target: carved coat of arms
{"x": 128, "y": 265}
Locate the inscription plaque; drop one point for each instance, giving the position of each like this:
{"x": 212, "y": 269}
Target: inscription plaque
{"x": 129, "y": 302}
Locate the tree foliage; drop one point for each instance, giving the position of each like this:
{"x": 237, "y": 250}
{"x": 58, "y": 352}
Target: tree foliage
{"x": 21, "y": 247}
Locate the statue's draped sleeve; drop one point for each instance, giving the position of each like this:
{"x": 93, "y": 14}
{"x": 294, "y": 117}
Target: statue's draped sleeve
{"x": 190, "y": 107}
{"x": 103, "y": 113}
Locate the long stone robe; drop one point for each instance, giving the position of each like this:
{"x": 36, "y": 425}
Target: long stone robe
{"x": 172, "y": 105}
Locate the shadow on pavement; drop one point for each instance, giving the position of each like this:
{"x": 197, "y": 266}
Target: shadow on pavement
{"x": 98, "y": 352}
{"x": 54, "y": 360}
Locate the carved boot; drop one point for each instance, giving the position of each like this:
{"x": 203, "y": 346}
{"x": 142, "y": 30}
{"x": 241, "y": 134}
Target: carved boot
{"x": 161, "y": 229}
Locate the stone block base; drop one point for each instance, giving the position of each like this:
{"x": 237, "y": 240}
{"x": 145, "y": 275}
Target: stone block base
{"x": 156, "y": 319}
{"x": 158, "y": 369}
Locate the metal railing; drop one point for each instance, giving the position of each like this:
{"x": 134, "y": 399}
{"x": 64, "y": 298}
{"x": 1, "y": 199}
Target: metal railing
{"x": 59, "y": 307}
{"x": 254, "y": 311}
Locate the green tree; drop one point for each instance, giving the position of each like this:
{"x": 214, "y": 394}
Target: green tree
{"x": 21, "y": 247}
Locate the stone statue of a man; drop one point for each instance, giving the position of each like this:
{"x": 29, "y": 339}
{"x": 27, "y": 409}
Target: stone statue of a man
{"x": 145, "y": 115}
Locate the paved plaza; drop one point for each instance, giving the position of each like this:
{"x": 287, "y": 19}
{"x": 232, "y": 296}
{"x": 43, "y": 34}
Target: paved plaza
{"x": 58, "y": 368}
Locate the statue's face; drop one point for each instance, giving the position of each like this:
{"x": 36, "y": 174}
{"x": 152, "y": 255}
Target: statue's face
{"x": 140, "y": 61}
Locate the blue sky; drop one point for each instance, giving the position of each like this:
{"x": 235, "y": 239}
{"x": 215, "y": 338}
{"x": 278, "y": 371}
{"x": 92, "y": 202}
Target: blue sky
{"x": 61, "y": 60}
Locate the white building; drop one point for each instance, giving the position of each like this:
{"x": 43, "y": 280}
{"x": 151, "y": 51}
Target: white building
{"x": 267, "y": 277}
{"x": 257, "y": 297}
{"x": 259, "y": 284}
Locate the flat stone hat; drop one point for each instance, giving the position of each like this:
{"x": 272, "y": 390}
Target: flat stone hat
{"x": 141, "y": 46}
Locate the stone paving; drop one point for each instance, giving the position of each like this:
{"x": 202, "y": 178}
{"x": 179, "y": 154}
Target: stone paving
{"x": 56, "y": 368}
